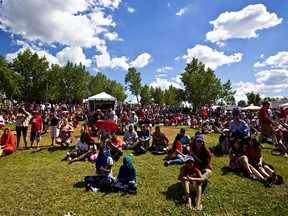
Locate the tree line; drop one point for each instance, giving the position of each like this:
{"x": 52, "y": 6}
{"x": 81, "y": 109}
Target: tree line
{"x": 31, "y": 78}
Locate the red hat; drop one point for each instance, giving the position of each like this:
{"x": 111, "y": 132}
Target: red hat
{"x": 264, "y": 103}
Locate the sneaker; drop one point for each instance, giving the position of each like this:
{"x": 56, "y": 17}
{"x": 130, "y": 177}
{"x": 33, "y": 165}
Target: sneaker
{"x": 166, "y": 164}
{"x": 69, "y": 158}
{"x": 68, "y": 153}
{"x": 93, "y": 189}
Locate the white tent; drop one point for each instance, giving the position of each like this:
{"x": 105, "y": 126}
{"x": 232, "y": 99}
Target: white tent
{"x": 101, "y": 101}
{"x": 283, "y": 105}
{"x": 251, "y": 107}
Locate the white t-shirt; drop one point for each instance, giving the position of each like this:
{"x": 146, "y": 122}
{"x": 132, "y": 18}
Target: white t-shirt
{"x": 109, "y": 163}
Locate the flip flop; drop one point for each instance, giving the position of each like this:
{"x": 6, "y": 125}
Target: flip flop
{"x": 198, "y": 210}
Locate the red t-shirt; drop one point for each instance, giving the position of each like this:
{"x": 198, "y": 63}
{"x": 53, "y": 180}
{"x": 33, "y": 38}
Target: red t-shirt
{"x": 36, "y": 123}
{"x": 262, "y": 112}
{"x": 117, "y": 141}
{"x": 201, "y": 166}
{"x": 178, "y": 146}
{"x": 252, "y": 153}
{"x": 186, "y": 171}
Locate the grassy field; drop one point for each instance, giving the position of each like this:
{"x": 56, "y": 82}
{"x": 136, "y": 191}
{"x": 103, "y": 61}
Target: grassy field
{"x": 41, "y": 183}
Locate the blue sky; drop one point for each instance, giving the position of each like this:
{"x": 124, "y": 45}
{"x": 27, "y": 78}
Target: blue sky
{"x": 241, "y": 40}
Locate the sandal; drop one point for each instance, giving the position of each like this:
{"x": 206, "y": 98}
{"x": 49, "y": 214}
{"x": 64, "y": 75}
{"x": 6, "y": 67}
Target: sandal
{"x": 198, "y": 210}
{"x": 279, "y": 179}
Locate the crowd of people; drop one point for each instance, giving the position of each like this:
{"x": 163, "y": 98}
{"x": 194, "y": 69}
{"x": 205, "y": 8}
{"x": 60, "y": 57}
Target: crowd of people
{"x": 100, "y": 144}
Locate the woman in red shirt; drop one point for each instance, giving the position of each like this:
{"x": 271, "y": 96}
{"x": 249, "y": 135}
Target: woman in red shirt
{"x": 176, "y": 156}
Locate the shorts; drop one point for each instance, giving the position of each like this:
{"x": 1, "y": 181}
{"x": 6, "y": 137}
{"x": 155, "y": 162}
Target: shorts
{"x": 193, "y": 186}
{"x": 54, "y": 131}
{"x": 267, "y": 130}
{"x": 20, "y": 129}
{"x": 35, "y": 136}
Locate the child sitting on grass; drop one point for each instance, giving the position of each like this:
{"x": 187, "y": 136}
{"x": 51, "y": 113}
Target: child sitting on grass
{"x": 192, "y": 180}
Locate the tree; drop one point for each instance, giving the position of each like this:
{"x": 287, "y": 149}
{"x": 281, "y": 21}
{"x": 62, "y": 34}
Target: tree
{"x": 31, "y": 75}
{"x": 157, "y": 95}
{"x": 253, "y": 98}
{"x": 242, "y": 103}
{"x": 228, "y": 94}
{"x": 8, "y": 87}
{"x": 173, "y": 96}
{"x": 202, "y": 87}
{"x": 145, "y": 95}
{"x": 134, "y": 78}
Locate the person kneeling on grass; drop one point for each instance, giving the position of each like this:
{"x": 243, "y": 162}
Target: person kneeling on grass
{"x": 104, "y": 178}
{"x": 192, "y": 180}
{"x": 8, "y": 143}
{"x": 126, "y": 180}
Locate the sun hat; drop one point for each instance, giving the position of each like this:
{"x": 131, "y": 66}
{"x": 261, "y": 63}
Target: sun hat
{"x": 199, "y": 137}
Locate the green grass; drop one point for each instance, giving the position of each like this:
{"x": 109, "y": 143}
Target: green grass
{"x": 39, "y": 183}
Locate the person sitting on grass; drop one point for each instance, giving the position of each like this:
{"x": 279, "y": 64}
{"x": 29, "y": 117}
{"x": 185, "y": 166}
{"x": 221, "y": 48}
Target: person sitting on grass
{"x": 82, "y": 147}
{"x": 130, "y": 138}
{"x": 160, "y": 142}
{"x": 224, "y": 143}
{"x": 192, "y": 180}
{"x": 144, "y": 137}
{"x": 253, "y": 151}
{"x": 176, "y": 156}
{"x": 65, "y": 138}
{"x": 8, "y": 143}
{"x": 104, "y": 177}
{"x": 202, "y": 157}
{"x": 114, "y": 145}
{"x": 126, "y": 180}
{"x": 238, "y": 162}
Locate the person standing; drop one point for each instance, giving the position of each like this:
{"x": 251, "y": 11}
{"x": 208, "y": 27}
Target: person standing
{"x": 22, "y": 121}
{"x": 36, "y": 126}
{"x": 266, "y": 124}
{"x": 54, "y": 123}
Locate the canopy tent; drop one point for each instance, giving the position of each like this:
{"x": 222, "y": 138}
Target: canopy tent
{"x": 251, "y": 107}
{"x": 283, "y": 105}
{"x": 101, "y": 101}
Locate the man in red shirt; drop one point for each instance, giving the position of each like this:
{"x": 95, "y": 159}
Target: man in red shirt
{"x": 115, "y": 146}
{"x": 36, "y": 126}
{"x": 266, "y": 124}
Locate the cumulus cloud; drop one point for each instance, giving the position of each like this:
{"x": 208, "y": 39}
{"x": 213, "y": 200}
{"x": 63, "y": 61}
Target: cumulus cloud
{"x": 211, "y": 58}
{"x": 113, "y": 36}
{"x": 73, "y": 54}
{"x": 141, "y": 61}
{"x": 280, "y": 60}
{"x": 177, "y": 79}
{"x": 181, "y": 12}
{"x": 105, "y": 61}
{"x": 77, "y": 24}
{"x": 242, "y": 24}
{"x": 163, "y": 83}
{"x": 164, "y": 69}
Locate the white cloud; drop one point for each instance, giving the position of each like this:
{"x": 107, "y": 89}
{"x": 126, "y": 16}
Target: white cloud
{"x": 164, "y": 69}
{"x": 105, "y": 61}
{"x": 74, "y": 55}
{"x": 141, "y": 61}
{"x": 130, "y": 10}
{"x": 163, "y": 83}
{"x": 181, "y": 12}
{"x": 280, "y": 60}
{"x": 113, "y": 36}
{"x": 211, "y": 58}
{"x": 169, "y": 5}
{"x": 242, "y": 24}
{"x": 177, "y": 79}
{"x": 77, "y": 24}
{"x": 177, "y": 58}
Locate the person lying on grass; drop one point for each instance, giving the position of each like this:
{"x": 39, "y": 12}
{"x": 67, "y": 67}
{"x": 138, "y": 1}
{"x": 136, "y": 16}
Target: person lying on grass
{"x": 253, "y": 151}
{"x": 126, "y": 180}
{"x": 104, "y": 178}
{"x": 192, "y": 180}
{"x": 8, "y": 143}
{"x": 238, "y": 162}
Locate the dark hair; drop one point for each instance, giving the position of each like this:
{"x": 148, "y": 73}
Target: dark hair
{"x": 239, "y": 151}
{"x": 85, "y": 137}
{"x": 177, "y": 138}
{"x": 204, "y": 156}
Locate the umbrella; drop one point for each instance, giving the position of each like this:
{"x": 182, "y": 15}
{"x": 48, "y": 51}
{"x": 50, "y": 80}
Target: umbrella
{"x": 112, "y": 126}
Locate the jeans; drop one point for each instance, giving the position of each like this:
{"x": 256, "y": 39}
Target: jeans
{"x": 178, "y": 160}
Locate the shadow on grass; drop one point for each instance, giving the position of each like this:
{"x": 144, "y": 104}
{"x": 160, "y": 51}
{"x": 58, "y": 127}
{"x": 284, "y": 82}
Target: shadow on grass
{"x": 175, "y": 193}
{"x": 80, "y": 184}
{"x": 226, "y": 170}
{"x": 57, "y": 148}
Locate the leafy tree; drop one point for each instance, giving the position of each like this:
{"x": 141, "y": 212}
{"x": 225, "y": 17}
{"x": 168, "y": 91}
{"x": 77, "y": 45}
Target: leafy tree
{"x": 145, "y": 95}
{"x": 8, "y": 87}
{"x": 202, "y": 87}
{"x": 173, "y": 96}
{"x": 157, "y": 95}
{"x": 228, "y": 94}
{"x": 242, "y": 103}
{"x": 253, "y": 98}
{"x": 134, "y": 78}
{"x": 31, "y": 71}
